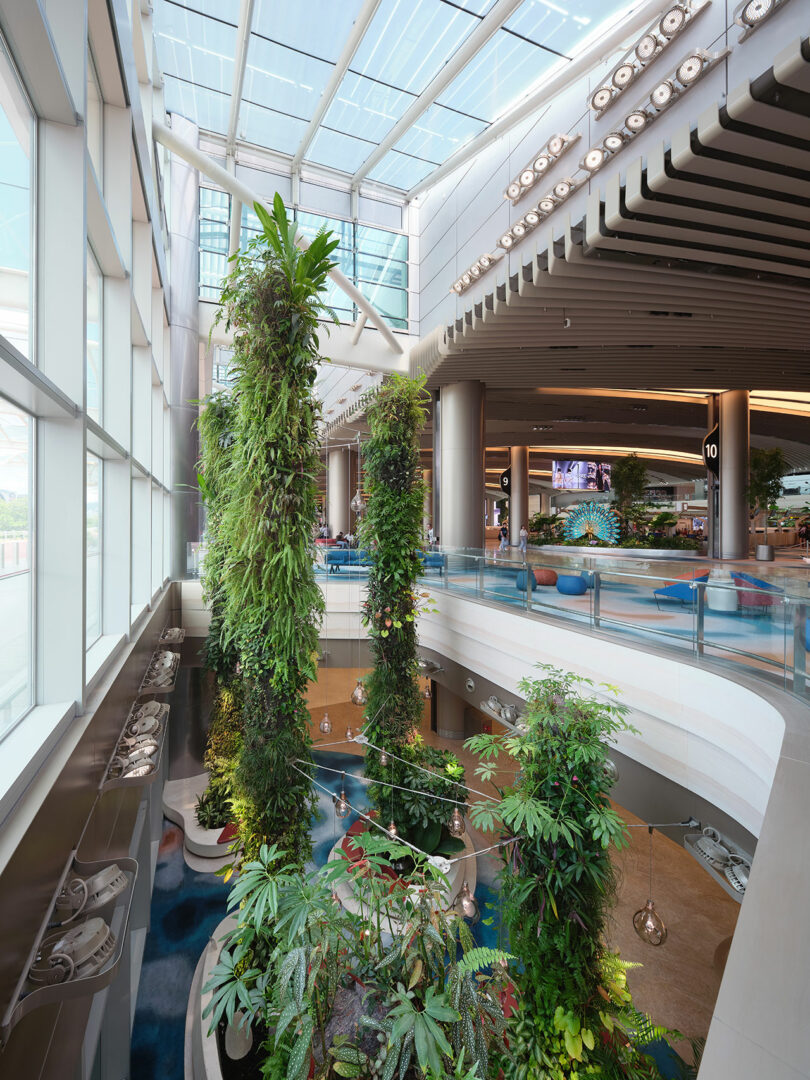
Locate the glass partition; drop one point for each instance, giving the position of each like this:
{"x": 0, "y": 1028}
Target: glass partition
{"x": 739, "y": 614}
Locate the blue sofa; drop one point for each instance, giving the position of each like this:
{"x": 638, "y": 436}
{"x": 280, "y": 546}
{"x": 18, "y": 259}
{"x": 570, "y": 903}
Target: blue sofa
{"x": 338, "y": 557}
{"x": 680, "y": 590}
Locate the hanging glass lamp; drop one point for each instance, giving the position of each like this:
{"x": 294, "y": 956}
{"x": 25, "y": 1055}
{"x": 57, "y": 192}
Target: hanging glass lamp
{"x": 358, "y": 503}
{"x": 359, "y": 694}
{"x": 647, "y": 923}
{"x": 325, "y": 724}
{"x": 342, "y": 808}
{"x": 456, "y": 824}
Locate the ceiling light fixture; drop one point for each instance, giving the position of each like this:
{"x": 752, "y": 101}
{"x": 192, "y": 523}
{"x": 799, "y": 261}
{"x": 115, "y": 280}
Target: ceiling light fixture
{"x": 645, "y": 48}
{"x": 690, "y": 69}
{"x": 623, "y": 76}
{"x": 471, "y": 275}
{"x": 751, "y": 14}
{"x": 636, "y": 121}
{"x": 594, "y": 159}
{"x": 662, "y": 94}
{"x": 614, "y": 141}
{"x": 673, "y": 21}
{"x": 528, "y": 176}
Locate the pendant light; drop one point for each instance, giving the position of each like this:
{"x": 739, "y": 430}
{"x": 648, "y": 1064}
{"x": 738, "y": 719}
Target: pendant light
{"x": 647, "y": 923}
{"x": 456, "y": 824}
{"x": 466, "y": 904}
{"x": 392, "y": 831}
{"x": 383, "y": 759}
{"x": 342, "y": 808}
{"x": 359, "y": 694}
{"x": 325, "y": 724}
{"x": 427, "y": 693}
{"x": 349, "y": 733}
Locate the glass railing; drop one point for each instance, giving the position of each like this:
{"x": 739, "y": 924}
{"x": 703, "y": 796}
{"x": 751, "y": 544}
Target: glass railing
{"x": 740, "y": 614}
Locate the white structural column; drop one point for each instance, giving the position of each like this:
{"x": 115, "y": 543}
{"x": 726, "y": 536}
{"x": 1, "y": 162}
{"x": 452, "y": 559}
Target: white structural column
{"x": 462, "y": 465}
{"x": 734, "y": 433}
{"x": 185, "y": 349}
{"x": 339, "y": 493}
{"x": 450, "y": 709}
{"x": 427, "y": 502}
{"x": 519, "y": 493}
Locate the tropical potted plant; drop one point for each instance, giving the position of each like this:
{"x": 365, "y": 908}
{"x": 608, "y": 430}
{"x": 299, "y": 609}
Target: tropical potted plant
{"x": 400, "y": 990}
{"x": 765, "y": 472}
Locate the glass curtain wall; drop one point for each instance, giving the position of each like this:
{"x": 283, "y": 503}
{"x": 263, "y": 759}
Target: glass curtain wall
{"x": 16, "y": 561}
{"x": 93, "y": 533}
{"x": 94, "y": 341}
{"x": 375, "y": 260}
{"x": 17, "y": 144}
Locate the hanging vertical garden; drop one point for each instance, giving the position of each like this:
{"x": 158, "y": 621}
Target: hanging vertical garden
{"x": 392, "y": 534}
{"x": 261, "y": 575}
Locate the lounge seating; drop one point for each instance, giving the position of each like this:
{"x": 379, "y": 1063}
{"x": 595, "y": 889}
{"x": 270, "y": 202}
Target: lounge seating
{"x": 544, "y": 576}
{"x": 337, "y": 557}
{"x": 521, "y": 578}
{"x": 680, "y": 589}
{"x": 433, "y": 560}
{"x": 572, "y": 584}
{"x": 759, "y": 597}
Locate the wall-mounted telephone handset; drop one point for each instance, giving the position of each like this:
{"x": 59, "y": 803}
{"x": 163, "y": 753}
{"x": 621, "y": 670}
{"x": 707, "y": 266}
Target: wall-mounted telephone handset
{"x": 83, "y": 896}
{"x": 82, "y": 950}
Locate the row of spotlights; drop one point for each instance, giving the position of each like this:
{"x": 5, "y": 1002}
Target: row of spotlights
{"x": 475, "y": 271}
{"x": 532, "y": 218}
{"x": 688, "y": 72}
{"x": 554, "y": 149}
{"x": 647, "y": 48}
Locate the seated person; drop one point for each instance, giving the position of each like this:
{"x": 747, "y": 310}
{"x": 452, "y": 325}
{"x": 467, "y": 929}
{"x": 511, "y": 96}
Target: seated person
{"x": 341, "y": 541}
{"x": 350, "y": 539}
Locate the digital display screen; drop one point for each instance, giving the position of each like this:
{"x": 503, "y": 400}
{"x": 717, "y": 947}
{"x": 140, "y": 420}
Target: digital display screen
{"x": 581, "y": 475}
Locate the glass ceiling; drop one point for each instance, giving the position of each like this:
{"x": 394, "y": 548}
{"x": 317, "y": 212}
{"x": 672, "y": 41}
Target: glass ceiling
{"x": 293, "y": 47}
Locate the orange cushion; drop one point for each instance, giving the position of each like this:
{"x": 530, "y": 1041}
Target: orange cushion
{"x": 545, "y": 577}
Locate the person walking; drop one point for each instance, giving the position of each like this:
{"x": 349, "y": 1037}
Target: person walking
{"x": 524, "y": 539}
{"x": 503, "y": 536}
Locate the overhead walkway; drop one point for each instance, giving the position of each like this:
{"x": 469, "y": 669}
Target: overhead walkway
{"x": 750, "y": 618}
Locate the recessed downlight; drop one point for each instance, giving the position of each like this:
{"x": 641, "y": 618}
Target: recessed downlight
{"x": 690, "y": 69}
{"x": 662, "y": 94}
{"x": 602, "y": 98}
{"x": 623, "y": 75}
{"x": 636, "y": 120}
{"x": 645, "y": 49}
{"x": 594, "y": 158}
{"x": 614, "y": 141}
{"x": 673, "y": 21}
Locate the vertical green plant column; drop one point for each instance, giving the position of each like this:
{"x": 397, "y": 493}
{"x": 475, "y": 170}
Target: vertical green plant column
{"x": 391, "y": 532}
{"x": 272, "y": 301}
{"x": 558, "y": 884}
{"x": 215, "y": 425}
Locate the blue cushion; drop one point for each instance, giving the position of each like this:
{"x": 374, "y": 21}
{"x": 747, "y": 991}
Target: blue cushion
{"x": 520, "y": 581}
{"x": 572, "y": 584}
{"x": 587, "y": 576}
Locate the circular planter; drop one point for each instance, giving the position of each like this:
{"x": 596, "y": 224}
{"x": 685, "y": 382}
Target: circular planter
{"x": 764, "y": 552}
{"x": 201, "y": 1053}
{"x": 459, "y": 873}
